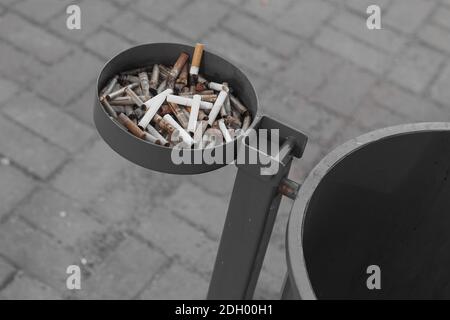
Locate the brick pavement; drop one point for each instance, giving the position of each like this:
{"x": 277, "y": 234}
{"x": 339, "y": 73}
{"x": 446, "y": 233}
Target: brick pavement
{"x": 66, "y": 198}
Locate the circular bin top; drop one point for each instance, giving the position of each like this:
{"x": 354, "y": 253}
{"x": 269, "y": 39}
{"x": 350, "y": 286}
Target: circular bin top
{"x": 157, "y": 157}
{"x": 297, "y": 264}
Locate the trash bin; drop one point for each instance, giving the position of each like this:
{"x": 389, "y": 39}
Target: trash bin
{"x": 255, "y": 199}
{"x": 382, "y": 199}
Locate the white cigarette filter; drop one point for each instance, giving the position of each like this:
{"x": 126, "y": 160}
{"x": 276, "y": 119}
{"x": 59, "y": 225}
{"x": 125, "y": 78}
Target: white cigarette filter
{"x": 198, "y": 135}
{"x": 153, "y": 106}
{"x": 216, "y": 86}
{"x": 194, "y": 113}
{"x": 225, "y": 132}
{"x": 217, "y": 106}
{"x": 151, "y": 129}
{"x": 183, "y": 134}
{"x": 183, "y": 101}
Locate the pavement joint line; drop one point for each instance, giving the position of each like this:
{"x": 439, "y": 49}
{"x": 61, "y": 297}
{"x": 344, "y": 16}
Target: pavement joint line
{"x": 34, "y": 133}
{"x": 161, "y": 270}
{"x": 197, "y": 227}
{"x": 9, "y": 279}
{"x": 23, "y": 169}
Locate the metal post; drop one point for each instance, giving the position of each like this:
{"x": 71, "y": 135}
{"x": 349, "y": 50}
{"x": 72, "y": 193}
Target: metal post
{"x": 251, "y": 215}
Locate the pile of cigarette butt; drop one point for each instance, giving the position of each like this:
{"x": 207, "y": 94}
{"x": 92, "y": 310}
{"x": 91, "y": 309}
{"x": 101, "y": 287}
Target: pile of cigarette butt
{"x": 175, "y": 105}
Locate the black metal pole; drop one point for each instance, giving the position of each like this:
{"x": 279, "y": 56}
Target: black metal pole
{"x": 251, "y": 215}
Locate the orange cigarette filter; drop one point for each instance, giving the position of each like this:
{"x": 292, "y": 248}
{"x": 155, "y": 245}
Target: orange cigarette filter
{"x": 196, "y": 59}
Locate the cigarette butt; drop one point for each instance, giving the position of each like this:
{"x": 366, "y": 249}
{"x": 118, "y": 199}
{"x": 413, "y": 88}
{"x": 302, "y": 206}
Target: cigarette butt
{"x": 224, "y": 130}
{"x": 246, "y": 123}
{"x": 145, "y": 84}
{"x": 164, "y": 125}
{"x": 109, "y": 87}
{"x": 183, "y": 101}
{"x": 216, "y": 86}
{"x": 182, "y": 79}
{"x": 233, "y": 122}
{"x": 131, "y": 126}
{"x": 118, "y": 109}
{"x": 194, "y": 113}
{"x": 153, "y": 106}
{"x": 121, "y": 91}
{"x": 198, "y": 135}
{"x": 133, "y": 96}
{"x": 183, "y": 134}
{"x": 151, "y": 129}
{"x": 179, "y": 114}
{"x": 128, "y": 78}
{"x": 216, "y": 108}
{"x": 154, "y": 80}
{"x": 196, "y": 59}
{"x": 179, "y": 64}
{"x": 235, "y": 103}
{"x": 151, "y": 138}
{"x": 162, "y": 86}
{"x": 109, "y": 109}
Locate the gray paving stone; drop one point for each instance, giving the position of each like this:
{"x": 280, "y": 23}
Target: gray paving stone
{"x": 6, "y": 271}
{"x": 440, "y": 89}
{"x": 178, "y": 239}
{"x": 344, "y": 89}
{"x": 32, "y": 39}
{"x": 416, "y": 67}
{"x": 400, "y": 12}
{"x": 372, "y": 116}
{"x": 25, "y": 288}
{"x": 36, "y": 254}
{"x": 200, "y": 208}
{"x": 318, "y": 123}
{"x": 176, "y": 283}
{"x": 267, "y": 10}
{"x": 354, "y": 51}
{"x": 308, "y": 71}
{"x": 361, "y": 5}
{"x": 159, "y": 10}
{"x": 86, "y": 176}
{"x": 7, "y": 90}
{"x": 41, "y": 11}
{"x": 440, "y": 16}
{"x": 355, "y": 26}
{"x": 435, "y": 36}
{"x": 262, "y": 33}
{"x": 69, "y": 77}
{"x": 128, "y": 198}
{"x": 195, "y": 20}
{"x": 219, "y": 182}
{"x": 93, "y": 15}
{"x": 35, "y": 114}
{"x": 305, "y": 17}
{"x": 82, "y": 106}
{"x": 140, "y": 30}
{"x": 124, "y": 273}
{"x": 59, "y": 216}
{"x": 106, "y": 43}
{"x": 20, "y": 66}
{"x": 14, "y": 187}
{"x": 28, "y": 150}
{"x": 244, "y": 55}
{"x": 407, "y": 104}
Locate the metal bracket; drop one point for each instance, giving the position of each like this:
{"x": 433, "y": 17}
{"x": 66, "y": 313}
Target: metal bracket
{"x": 251, "y": 215}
